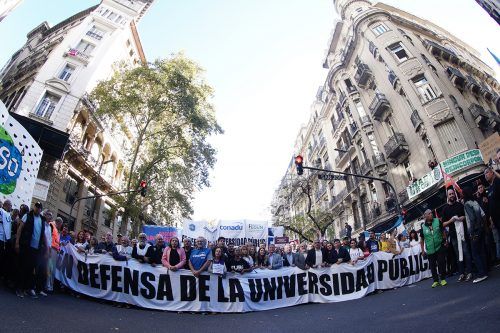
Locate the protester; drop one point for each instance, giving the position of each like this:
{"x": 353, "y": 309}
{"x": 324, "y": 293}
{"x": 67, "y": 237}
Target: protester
{"x": 348, "y": 230}
{"x": 275, "y": 260}
{"x": 141, "y": 248}
{"x": 124, "y": 248}
{"x": 230, "y": 250}
{"x": 6, "y": 249}
{"x": 493, "y": 197}
{"x": 237, "y": 264}
{"x": 187, "y": 248}
{"x": 414, "y": 239}
{"x": 252, "y": 253}
{"x": 154, "y": 253}
{"x": 30, "y": 243}
{"x": 355, "y": 253}
{"x": 200, "y": 257}
{"x": 372, "y": 243}
{"x": 246, "y": 256}
{"x": 431, "y": 239}
{"x": 81, "y": 242}
{"x": 107, "y": 245}
{"x": 93, "y": 246}
{"x": 341, "y": 255}
{"x": 474, "y": 216}
{"x": 328, "y": 254}
{"x": 384, "y": 243}
{"x": 174, "y": 257}
{"x": 293, "y": 246}
{"x": 65, "y": 237}
{"x": 316, "y": 257}
{"x": 403, "y": 243}
{"x": 262, "y": 259}
{"x": 346, "y": 243}
{"x": 300, "y": 257}
{"x": 453, "y": 217}
{"x": 217, "y": 265}
{"x": 288, "y": 257}
{"x": 221, "y": 242}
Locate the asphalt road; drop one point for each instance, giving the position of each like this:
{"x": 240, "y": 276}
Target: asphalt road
{"x": 458, "y": 307}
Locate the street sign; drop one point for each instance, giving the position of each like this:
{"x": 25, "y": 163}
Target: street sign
{"x": 328, "y": 176}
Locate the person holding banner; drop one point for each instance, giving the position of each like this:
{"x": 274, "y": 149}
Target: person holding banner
{"x": 288, "y": 257}
{"x": 237, "y": 264}
{"x": 217, "y": 265}
{"x": 275, "y": 259}
{"x": 200, "y": 258}
{"x": 300, "y": 257}
{"x": 355, "y": 252}
{"x": 141, "y": 248}
{"x": 340, "y": 254}
{"x": 372, "y": 243}
{"x": 174, "y": 257}
{"x": 316, "y": 256}
{"x": 261, "y": 260}
{"x": 431, "y": 243}
{"x": 154, "y": 253}
{"x": 186, "y": 242}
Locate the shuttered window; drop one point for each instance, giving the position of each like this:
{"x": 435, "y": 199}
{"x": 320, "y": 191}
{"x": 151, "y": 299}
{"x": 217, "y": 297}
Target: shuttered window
{"x": 451, "y": 138}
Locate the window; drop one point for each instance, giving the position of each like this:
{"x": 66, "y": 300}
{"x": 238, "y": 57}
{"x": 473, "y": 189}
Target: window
{"x": 379, "y": 29}
{"x": 95, "y": 33}
{"x": 47, "y": 105}
{"x": 71, "y": 189}
{"x": 112, "y": 16}
{"x": 425, "y": 91}
{"x": 350, "y": 87}
{"x": 451, "y": 138}
{"x": 409, "y": 172}
{"x": 90, "y": 203}
{"x": 389, "y": 127}
{"x": 399, "y": 51}
{"x": 106, "y": 213}
{"x": 118, "y": 19}
{"x": 131, "y": 53}
{"x": 360, "y": 108}
{"x": 106, "y": 12}
{"x": 66, "y": 72}
{"x": 373, "y": 144}
{"x": 85, "y": 47}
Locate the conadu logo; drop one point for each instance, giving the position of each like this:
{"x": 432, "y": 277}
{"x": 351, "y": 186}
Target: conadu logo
{"x": 238, "y": 227}
{"x": 11, "y": 163}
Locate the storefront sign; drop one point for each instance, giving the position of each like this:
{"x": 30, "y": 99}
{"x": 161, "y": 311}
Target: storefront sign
{"x": 462, "y": 161}
{"x": 424, "y": 183}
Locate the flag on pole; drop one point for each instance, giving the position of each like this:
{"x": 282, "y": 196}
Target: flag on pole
{"x": 494, "y": 56}
{"x": 449, "y": 181}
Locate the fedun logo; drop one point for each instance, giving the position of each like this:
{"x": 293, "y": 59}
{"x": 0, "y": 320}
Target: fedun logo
{"x": 192, "y": 227}
{"x": 255, "y": 226}
{"x": 11, "y": 163}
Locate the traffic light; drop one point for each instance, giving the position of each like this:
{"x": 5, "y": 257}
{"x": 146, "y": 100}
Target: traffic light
{"x": 144, "y": 188}
{"x": 298, "y": 164}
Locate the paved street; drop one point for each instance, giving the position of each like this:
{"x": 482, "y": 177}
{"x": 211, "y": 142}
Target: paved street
{"x": 460, "y": 307}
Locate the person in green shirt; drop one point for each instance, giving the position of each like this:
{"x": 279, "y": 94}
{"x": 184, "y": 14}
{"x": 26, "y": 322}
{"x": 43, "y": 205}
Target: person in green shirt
{"x": 431, "y": 239}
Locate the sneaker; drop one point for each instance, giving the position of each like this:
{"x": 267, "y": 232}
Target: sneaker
{"x": 461, "y": 278}
{"x": 443, "y": 283}
{"x": 19, "y": 293}
{"x": 43, "y": 293}
{"x": 435, "y": 284}
{"x": 479, "y": 279}
{"x": 468, "y": 277}
{"x": 32, "y": 293}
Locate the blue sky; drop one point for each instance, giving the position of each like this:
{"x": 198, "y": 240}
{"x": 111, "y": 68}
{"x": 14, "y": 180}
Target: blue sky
{"x": 263, "y": 58}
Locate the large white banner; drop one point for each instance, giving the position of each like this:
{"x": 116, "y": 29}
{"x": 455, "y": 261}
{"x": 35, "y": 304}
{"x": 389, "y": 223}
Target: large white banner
{"x": 20, "y": 157}
{"x": 158, "y": 288}
{"x": 195, "y": 229}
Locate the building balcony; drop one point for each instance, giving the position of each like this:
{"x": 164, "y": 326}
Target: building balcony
{"x": 416, "y": 120}
{"x": 378, "y": 160}
{"x": 456, "y": 77}
{"x": 473, "y": 85}
{"x": 365, "y": 121}
{"x": 396, "y": 148}
{"x": 441, "y": 51}
{"x": 363, "y": 76}
{"x": 366, "y": 167}
{"x": 353, "y": 130}
{"x": 480, "y": 115}
{"x": 393, "y": 79}
{"x": 494, "y": 121}
{"x": 379, "y": 106}
{"x": 342, "y": 98}
{"x": 79, "y": 55}
{"x": 322, "y": 143}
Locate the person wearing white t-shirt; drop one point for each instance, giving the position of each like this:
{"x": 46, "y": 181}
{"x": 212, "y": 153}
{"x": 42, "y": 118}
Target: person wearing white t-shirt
{"x": 355, "y": 252}
{"x": 6, "y": 248}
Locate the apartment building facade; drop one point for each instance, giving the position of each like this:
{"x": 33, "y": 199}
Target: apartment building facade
{"x": 402, "y": 97}
{"x": 46, "y": 86}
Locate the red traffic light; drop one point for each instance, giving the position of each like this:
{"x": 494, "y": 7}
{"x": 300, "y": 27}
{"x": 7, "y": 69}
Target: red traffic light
{"x": 298, "y": 164}
{"x": 143, "y": 184}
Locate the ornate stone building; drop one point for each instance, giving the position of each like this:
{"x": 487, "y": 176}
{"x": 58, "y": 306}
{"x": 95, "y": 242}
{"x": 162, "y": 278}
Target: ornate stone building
{"x": 45, "y": 85}
{"x": 401, "y": 95}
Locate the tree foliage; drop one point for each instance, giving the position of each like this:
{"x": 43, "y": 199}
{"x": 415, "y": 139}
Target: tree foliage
{"x": 165, "y": 109}
{"x": 314, "y": 222}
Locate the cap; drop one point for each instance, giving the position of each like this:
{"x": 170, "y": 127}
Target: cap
{"x": 119, "y": 235}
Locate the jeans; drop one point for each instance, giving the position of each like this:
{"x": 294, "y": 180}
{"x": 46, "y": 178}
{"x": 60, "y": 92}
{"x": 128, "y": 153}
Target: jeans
{"x": 466, "y": 257}
{"x": 436, "y": 261}
{"x": 479, "y": 254}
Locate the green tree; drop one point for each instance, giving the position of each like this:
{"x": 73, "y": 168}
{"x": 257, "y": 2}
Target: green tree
{"x": 164, "y": 107}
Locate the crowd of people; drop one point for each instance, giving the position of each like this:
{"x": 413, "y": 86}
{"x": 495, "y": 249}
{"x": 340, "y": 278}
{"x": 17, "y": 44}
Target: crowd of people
{"x": 463, "y": 237}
